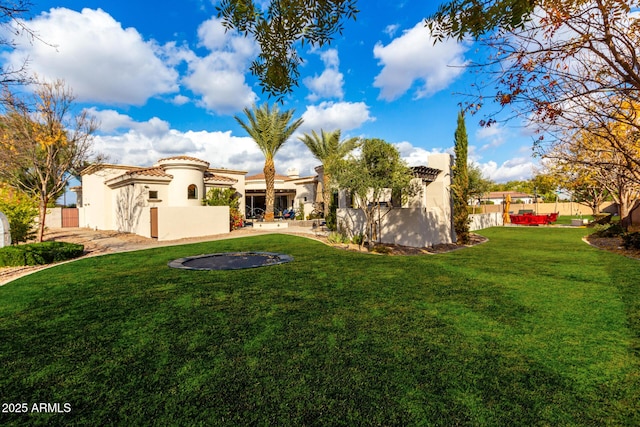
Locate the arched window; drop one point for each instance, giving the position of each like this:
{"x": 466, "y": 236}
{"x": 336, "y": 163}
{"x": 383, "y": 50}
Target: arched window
{"x": 192, "y": 192}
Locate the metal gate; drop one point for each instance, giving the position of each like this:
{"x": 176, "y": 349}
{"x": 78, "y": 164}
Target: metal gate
{"x": 70, "y": 217}
{"x": 154, "y": 223}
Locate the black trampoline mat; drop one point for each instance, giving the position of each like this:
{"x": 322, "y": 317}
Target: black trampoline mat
{"x": 230, "y": 261}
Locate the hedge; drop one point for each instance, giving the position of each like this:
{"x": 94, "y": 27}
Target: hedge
{"x": 631, "y": 240}
{"x": 39, "y": 253}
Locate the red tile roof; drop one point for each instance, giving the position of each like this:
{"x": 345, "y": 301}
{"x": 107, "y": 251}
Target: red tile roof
{"x": 193, "y": 159}
{"x": 209, "y": 176}
{"x": 152, "y": 171}
{"x": 260, "y": 176}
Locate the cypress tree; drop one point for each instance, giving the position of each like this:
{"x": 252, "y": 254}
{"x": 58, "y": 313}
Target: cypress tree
{"x": 460, "y": 182}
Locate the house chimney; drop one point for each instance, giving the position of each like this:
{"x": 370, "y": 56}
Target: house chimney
{"x": 293, "y": 173}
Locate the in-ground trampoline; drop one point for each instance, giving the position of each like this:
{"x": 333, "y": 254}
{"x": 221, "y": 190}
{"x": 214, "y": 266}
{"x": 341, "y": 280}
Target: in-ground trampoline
{"x": 230, "y": 261}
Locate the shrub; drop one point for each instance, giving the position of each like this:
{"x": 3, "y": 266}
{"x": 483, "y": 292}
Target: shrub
{"x": 602, "y": 218}
{"x": 300, "y": 212}
{"x": 608, "y": 230}
{"x": 235, "y": 219}
{"x": 314, "y": 215}
{"x": 381, "y": 249}
{"x": 226, "y": 197}
{"x": 332, "y": 217}
{"x": 39, "y": 253}
{"x": 631, "y": 240}
{"x": 21, "y": 211}
{"x": 358, "y": 239}
{"x": 222, "y": 197}
{"x": 335, "y": 237}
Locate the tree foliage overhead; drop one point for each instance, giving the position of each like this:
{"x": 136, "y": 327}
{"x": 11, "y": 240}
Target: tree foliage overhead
{"x": 43, "y": 142}
{"x": 270, "y": 129}
{"x": 461, "y": 18}
{"x": 570, "y": 63}
{"x": 281, "y": 28}
{"x": 570, "y": 68}
{"x": 12, "y": 14}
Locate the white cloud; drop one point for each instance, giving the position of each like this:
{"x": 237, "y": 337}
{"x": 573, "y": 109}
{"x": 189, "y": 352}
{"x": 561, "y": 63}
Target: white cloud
{"x": 335, "y": 115}
{"x": 129, "y": 142}
{"x": 329, "y": 84}
{"x": 143, "y": 143}
{"x": 219, "y": 78}
{"x": 180, "y": 100}
{"x": 520, "y": 168}
{"x": 413, "y": 58}
{"x": 390, "y": 30}
{"x": 415, "y": 156}
{"x": 491, "y": 137}
{"x": 99, "y": 59}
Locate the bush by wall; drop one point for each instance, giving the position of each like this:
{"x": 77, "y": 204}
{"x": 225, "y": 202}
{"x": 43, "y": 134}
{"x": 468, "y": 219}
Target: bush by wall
{"x": 608, "y": 230}
{"x": 39, "y": 253}
{"x": 631, "y": 240}
{"x": 21, "y": 211}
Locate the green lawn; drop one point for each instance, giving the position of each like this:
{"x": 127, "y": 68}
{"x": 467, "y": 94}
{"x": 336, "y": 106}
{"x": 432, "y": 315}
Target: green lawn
{"x": 532, "y": 328}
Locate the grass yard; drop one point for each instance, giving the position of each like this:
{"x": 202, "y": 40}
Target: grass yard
{"x": 532, "y": 328}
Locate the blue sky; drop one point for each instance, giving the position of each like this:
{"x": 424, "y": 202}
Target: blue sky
{"x": 166, "y": 80}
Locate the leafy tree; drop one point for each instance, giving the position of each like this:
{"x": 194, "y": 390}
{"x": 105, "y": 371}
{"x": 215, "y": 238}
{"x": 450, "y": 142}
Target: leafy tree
{"x": 478, "y": 184}
{"x": 226, "y": 197}
{"x": 21, "y": 211}
{"x": 222, "y": 197}
{"x": 270, "y": 129}
{"x": 43, "y": 142}
{"x": 372, "y": 176}
{"x": 580, "y": 181}
{"x": 590, "y": 158}
{"x": 281, "y": 28}
{"x": 328, "y": 148}
{"x": 460, "y": 183}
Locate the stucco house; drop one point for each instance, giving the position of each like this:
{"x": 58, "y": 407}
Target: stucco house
{"x": 498, "y": 197}
{"x": 162, "y": 201}
{"x": 291, "y": 191}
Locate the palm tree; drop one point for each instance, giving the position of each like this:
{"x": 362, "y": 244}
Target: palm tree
{"x": 270, "y": 129}
{"x": 328, "y": 148}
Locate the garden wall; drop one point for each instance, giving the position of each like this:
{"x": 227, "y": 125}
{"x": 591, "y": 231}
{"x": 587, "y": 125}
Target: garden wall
{"x": 565, "y": 208}
{"x": 482, "y": 221}
{"x": 415, "y": 227}
{"x": 191, "y": 221}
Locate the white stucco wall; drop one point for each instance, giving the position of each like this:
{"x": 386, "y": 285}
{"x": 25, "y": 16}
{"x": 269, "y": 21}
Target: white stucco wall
{"x": 428, "y": 221}
{"x": 184, "y": 222}
{"x": 304, "y": 191}
{"x": 97, "y": 200}
{"x": 53, "y": 218}
{"x": 482, "y": 221}
{"x": 5, "y": 231}
{"x": 415, "y": 227}
{"x": 178, "y": 187}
